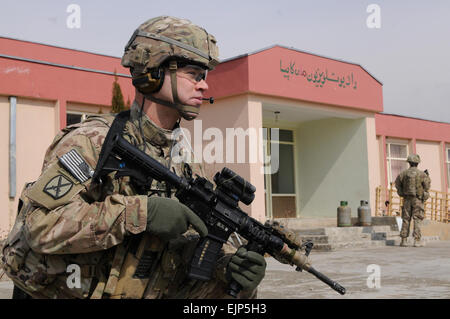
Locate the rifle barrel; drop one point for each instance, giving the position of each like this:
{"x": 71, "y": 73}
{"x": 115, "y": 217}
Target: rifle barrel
{"x": 334, "y": 285}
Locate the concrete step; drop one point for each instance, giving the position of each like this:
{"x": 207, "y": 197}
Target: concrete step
{"x": 316, "y": 239}
{"x": 348, "y": 234}
{"x": 348, "y": 244}
{"x": 323, "y": 247}
{"x": 385, "y": 235}
{"x": 308, "y": 232}
{"x": 358, "y": 244}
{"x": 326, "y": 236}
{"x": 332, "y": 238}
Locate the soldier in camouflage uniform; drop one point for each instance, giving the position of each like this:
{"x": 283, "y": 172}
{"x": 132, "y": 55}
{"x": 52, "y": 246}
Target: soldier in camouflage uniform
{"x": 65, "y": 218}
{"x": 412, "y": 184}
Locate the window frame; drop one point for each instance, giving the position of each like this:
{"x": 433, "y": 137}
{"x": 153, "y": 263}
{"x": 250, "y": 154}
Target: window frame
{"x": 267, "y": 177}
{"x": 389, "y": 159}
{"x": 84, "y": 115}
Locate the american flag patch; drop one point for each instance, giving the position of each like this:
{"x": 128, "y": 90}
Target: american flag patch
{"x": 76, "y": 165}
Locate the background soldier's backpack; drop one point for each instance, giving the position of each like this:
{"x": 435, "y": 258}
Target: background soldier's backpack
{"x": 410, "y": 183}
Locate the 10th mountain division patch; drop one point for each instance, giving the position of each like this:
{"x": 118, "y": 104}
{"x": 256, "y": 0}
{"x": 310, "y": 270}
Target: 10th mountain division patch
{"x": 58, "y": 186}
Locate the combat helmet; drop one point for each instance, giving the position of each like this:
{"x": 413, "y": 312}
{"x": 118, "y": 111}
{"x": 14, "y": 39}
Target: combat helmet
{"x": 413, "y": 158}
{"x": 168, "y": 42}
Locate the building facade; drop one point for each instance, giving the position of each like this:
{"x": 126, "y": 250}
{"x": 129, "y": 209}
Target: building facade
{"x": 307, "y": 131}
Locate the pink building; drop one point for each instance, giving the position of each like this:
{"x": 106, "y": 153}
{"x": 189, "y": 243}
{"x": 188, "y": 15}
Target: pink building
{"x": 333, "y": 141}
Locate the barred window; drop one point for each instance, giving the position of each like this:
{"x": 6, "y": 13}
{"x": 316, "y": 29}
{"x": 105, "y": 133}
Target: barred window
{"x": 396, "y": 154}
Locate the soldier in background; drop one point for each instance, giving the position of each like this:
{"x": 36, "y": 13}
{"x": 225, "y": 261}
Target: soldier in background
{"x": 412, "y": 184}
{"x": 67, "y": 218}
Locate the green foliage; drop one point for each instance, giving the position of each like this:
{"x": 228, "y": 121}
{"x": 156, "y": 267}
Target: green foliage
{"x": 117, "y": 103}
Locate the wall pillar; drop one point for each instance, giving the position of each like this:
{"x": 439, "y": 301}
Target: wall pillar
{"x": 256, "y": 170}
{"x": 445, "y": 180}
{"x": 373, "y": 160}
{"x": 383, "y": 142}
{"x": 62, "y": 112}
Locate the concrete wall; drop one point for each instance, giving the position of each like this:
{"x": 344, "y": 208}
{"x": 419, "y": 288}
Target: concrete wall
{"x": 430, "y": 155}
{"x": 61, "y": 82}
{"x": 382, "y": 170}
{"x": 427, "y": 138}
{"x": 332, "y": 166}
{"x": 36, "y": 124}
{"x": 87, "y": 108}
{"x": 434, "y": 228}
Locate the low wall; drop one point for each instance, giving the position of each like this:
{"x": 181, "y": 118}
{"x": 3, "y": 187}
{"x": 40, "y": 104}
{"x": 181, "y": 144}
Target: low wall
{"x": 434, "y": 228}
{"x": 308, "y": 223}
{"x": 429, "y": 227}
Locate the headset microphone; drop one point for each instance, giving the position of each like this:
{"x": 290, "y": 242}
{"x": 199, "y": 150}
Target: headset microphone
{"x": 210, "y": 99}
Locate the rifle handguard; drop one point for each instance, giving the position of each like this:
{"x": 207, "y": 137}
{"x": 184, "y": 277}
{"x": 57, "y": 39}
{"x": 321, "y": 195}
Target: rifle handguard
{"x": 295, "y": 257}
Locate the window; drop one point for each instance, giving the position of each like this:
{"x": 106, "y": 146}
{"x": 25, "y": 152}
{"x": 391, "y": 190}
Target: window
{"x": 280, "y": 186}
{"x": 75, "y": 117}
{"x": 396, "y": 160}
{"x": 448, "y": 168}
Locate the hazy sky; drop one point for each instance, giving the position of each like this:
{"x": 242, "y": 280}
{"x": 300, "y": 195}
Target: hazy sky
{"x": 409, "y": 53}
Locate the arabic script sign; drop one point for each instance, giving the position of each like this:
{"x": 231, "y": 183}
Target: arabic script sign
{"x": 318, "y": 78}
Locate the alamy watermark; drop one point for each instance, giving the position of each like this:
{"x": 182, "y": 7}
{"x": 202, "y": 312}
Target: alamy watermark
{"x": 73, "y": 21}
{"x": 74, "y": 279}
{"x": 235, "y": 145}
{"x": 374, "y": 279}
{"x": 374, "y": 19}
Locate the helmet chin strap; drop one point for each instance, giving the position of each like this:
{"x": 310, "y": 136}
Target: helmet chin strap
{"x": 181, "y": 108}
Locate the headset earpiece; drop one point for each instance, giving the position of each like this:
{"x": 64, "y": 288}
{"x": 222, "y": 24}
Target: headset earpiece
{"x": 150, "y": 82}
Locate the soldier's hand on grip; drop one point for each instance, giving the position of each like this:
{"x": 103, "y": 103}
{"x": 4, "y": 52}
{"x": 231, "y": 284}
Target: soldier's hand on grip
{"x": 168, "y": 218}
{"x": 247, "y": 268}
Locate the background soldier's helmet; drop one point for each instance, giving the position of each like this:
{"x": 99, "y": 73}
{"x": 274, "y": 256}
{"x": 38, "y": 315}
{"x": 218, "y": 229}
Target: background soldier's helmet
{"x": 162, "y": 38}
{"x": 413, "y": 158}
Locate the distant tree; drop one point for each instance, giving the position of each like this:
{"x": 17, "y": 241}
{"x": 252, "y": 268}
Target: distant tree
{"x": 128, "y": 105}
{"x": 117, "y": 103}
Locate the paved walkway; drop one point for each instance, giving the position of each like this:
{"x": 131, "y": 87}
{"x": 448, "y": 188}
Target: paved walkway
{"x": 6, "y": 288}
{"x": 405, "y": 272}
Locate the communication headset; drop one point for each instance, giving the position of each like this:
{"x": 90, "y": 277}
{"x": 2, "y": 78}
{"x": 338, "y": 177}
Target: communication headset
{"x": 150, "y": 82}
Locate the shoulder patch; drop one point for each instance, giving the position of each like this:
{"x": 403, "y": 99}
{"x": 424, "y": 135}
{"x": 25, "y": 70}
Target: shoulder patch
{"x": 76, "y": 165}
{"x": 58, "y": 186}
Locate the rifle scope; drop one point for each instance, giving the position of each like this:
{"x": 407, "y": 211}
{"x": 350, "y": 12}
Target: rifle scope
{"x": 235, "y": 184}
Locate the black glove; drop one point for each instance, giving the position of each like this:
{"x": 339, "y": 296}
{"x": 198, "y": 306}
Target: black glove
{"x": 247, "y": 268}
{"x": 168, "y": 218}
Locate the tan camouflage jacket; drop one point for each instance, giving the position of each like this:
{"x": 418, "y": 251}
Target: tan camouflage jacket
{"x": 413, "y": 182}
{"x": 66, "y": 221}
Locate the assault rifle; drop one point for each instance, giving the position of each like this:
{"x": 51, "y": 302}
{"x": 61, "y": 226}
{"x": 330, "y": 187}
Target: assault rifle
{"x": 218, "y": 208}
